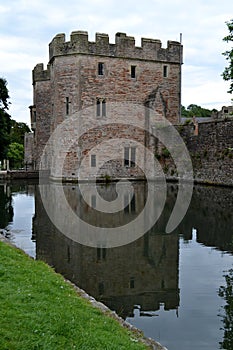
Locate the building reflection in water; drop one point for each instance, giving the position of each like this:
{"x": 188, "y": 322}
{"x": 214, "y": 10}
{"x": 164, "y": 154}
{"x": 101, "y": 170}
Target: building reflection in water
{"x": 144, "y": 272}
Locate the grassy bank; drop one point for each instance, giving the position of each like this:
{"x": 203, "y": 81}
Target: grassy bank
{"x": 39, "y": 310}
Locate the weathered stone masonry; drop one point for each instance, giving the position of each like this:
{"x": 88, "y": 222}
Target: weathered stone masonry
{"x": 211, "y": 151}
{"x": 93, "y": 75}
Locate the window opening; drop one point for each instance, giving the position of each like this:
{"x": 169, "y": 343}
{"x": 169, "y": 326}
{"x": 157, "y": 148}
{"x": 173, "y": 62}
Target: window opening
{"x": 133, "y": 71}
{"x": 165, "y": 71}
{"x": 93, "y": 160}
{"x": 100, "y": 68}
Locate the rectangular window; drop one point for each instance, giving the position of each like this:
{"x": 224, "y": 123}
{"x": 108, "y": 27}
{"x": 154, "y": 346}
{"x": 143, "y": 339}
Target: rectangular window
{"x": 104, "y": 108}
{"x": 93, "y": 160}
{"x": 126, "y": 203}
{"x": 165, "y": 71}
{"x": 131, "y": 283}
{"x": 130, "y": 156}
{"x": 129, "y": 205}
{"x": 93, "y": 201}
{"x": 133, "y": 157}
{"x": 101, "y": 288}
{"x": 67, "y": 105}
{"x": 101, "y": 253}
{"x": 100, "y": 107}
{"x": 133, "y": 71}
{"x": 100, "y": 68}
{"x": 126, "y": 156}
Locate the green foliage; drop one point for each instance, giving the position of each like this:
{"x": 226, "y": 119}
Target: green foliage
{"x": 226, "y": 292}
{"x": 5, "y": 128}
{"x": 17, "y": 132}
{"x": 195, "y": 111}
{"x": 39, "y": 310}
{"x": 11, "y": 132}
{"x": 228, "y": 71}
{"x": 165, "y": 153}
{"x": 5, "y": 119}
{"x": 16, "y": 155}
{"x": 4, "y": 94}
{"x": 6, "y": 208}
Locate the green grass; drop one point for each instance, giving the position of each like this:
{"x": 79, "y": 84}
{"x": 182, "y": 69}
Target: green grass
{"x": 39, "y": 310}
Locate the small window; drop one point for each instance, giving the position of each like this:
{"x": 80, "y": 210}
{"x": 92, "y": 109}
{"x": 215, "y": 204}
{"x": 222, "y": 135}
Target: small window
{"x": 131, "y": 283}
{"x": 104, "y": 108}
{"x": 67, "y": 105}
{"x": 93, "y": 201}
{"x": 130, "y": 156}
{"x": 100, "y": 68}
{"x": 165, "y": 71}
{"x": 133, "y": 71}
{"x": 93, "y": 160}
{"x": 133, "y": 157}
{"x": 101, "y": 288}
{"x": 100, "y": 107}
{"x": 129, "y": 205}
{"x": 101, "y": 253}
{"x": 126, "y": 156}
{"x": 225, "y": 111}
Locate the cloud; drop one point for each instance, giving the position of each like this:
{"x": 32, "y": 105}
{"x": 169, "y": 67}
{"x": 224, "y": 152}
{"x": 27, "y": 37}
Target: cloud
{"x": 27, "y": 27}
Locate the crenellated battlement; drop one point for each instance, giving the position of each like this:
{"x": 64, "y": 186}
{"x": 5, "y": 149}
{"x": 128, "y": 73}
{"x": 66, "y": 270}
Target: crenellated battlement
{"x": 124, "y": 47}
{"x": 40, "y": 74}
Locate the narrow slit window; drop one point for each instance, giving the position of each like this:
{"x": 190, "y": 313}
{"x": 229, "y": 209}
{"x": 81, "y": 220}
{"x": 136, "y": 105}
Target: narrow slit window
{"x": 133, "y": 204}
{"x": 93, "y": 201}
{"x": 93, "y": 160}
{"x": 133, "y": 71}
{"x": 67, "y": 106}
{"x": 126, "y": 203}
{"x": 101, "y": 253}
{"x": 100, "y": 68}
{"x": 126, "y": 156}
{"x": 104, "y": 108}
{"x": 98, "y": 107}
{"x": 101, "y": 288}
{"x": 165, "y": 71}
{"x": 133, "y": 157}
{"x": 132, "y": 283}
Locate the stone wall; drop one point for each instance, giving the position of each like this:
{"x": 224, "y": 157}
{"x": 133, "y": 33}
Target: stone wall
{"x": 82, "y": 74}
{"x": 210, "y": 146}
{"x": 211, "y": 151}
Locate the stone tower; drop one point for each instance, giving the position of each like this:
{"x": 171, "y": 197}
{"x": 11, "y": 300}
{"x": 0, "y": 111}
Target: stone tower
{"x": 85, "y": 75}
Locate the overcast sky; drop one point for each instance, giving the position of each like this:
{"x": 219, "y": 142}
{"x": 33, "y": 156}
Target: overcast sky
{"x": 27, "y": 27}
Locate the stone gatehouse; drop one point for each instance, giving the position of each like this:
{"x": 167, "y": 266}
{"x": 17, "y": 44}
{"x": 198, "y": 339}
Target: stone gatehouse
{"x": 91, "y": 90}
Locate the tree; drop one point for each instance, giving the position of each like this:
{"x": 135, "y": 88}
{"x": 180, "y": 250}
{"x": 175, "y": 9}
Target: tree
{"x": 16, "y": 155}
{"x": 4, "y": 94}
{"x": 11, "y": 132}
{"x": 195, "y": 111}
{"x": 5, "y": 119}
{"x": 228, "y": 72}
{"x": 18, "y": 129}
{"x": 226, "y": 292}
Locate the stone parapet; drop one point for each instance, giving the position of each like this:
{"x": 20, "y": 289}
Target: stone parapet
{"x": 124, "y": 47}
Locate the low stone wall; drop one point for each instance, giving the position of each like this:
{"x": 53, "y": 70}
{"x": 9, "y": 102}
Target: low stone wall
{"x": 18, "y": 174}
{"x": 210, "y": 146}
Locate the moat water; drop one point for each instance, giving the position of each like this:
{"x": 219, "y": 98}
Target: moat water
{"x": 177, "y": 287}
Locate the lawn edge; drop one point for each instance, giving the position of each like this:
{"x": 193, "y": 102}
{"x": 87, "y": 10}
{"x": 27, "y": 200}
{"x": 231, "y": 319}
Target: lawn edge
{"x": 151, "y": 343}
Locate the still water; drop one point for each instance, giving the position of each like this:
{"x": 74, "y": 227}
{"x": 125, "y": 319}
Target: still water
{"x": 176, "y": 287}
